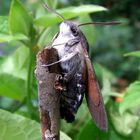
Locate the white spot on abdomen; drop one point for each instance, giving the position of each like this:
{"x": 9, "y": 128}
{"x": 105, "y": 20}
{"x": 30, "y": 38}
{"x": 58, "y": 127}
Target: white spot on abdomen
{"x": 79, "y": 97}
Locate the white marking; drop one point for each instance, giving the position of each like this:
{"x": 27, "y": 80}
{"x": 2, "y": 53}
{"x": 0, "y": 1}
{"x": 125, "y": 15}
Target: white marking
{"x": 40, "y": 82}
{"x": 49, "y": 135}
{"x": 79, "y": 97}
{"x": 65, "y": 35}
{"x": 78, "y": 85}
{"x": 65, "y": 29}
{"x": 78, "y": 74}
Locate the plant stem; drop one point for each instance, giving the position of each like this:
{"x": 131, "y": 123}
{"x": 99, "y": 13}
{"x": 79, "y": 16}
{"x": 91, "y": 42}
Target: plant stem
{"x": 28, "y": 86}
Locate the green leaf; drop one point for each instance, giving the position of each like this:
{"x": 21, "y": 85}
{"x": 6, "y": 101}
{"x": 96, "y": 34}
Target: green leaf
{"x": 20, "y": 21}
{"x": 47, "y": 36}
{"x": 63, "y": 136}
{"x": 16, "y": 64}
{"x": 4, "y": 31}
{"x": 91, "y": 132}
{"x": 51, "y": 3}
{"x": 16, "y": 127}
{"x": 135, "y": 53}
{"x": 131, "y": 98}
{"x": 13, "y": 72}
{"x": 12, "y": 87}
{"x": 68, "y": 13}
{"x": 125, "y": 124}
{"x": 136, "y": 134}
{"x": 4, "y": 25}
{"x": 7, "y": 38}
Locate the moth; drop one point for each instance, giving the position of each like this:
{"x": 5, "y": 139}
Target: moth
{"x": 77, "y": 77}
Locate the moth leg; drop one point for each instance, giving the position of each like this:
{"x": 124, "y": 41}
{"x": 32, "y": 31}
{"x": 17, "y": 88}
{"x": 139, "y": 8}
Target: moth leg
{"x": 59, "y": 84}
{"x": 58, "y": 77}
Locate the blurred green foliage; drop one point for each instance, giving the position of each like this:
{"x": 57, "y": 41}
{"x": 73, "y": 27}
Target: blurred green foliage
{"x": 26, "y": 27}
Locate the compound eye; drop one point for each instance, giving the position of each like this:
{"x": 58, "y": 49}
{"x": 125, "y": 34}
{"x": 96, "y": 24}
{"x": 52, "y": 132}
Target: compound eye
{"x": 74, "y": 31}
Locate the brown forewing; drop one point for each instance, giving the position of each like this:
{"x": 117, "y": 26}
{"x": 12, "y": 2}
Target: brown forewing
{"x": 94, "y": 97}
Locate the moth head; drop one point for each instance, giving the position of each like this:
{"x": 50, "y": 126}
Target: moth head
{"x": 68, "y": 28}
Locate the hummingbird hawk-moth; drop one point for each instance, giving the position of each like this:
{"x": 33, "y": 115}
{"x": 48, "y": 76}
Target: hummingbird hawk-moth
{"x": 77, "y": 77}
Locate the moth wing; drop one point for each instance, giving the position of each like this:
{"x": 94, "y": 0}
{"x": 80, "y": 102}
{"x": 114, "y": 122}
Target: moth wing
{"x": 94, "y": 97}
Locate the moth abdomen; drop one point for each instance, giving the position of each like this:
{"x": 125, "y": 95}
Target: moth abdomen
{"x": 71, "y": 99}
{"x": 67, "y": 109}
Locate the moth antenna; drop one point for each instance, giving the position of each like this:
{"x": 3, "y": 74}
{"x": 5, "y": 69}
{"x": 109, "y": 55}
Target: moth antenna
{"x": 52, "y": 10}
{"x": 100, "y": 23}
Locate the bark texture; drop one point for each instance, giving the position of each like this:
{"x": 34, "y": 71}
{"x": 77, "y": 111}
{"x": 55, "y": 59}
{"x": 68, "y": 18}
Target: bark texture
{"x": 49, "y": 98}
